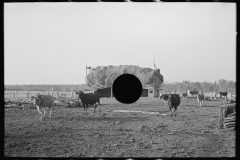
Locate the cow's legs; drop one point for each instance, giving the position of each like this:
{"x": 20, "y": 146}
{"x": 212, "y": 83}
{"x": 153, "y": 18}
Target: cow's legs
{"x": 44, "y": 112}
{"x": 171, "y": 112}
{"x": 39, "y": 112}
{"x": 175, "y": 113}
{"x": 50, "y": 112}
{"x": 95, "y": 106}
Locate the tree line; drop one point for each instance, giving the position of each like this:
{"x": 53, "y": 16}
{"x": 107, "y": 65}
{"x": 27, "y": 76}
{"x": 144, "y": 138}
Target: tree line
{"x": 221, "y": 85}
{"x": 47, "y": 87}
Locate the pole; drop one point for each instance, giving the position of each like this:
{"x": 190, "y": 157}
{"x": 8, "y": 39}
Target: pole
{"x": 154, "y": 62}
{"x": 111, "y": 92}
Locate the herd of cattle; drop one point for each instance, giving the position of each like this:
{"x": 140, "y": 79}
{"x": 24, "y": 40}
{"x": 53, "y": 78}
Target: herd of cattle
{"x": 173, "y": 100}
{"x": 43, "y": 102}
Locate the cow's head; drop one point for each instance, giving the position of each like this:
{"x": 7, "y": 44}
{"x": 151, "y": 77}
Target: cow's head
{"x": 169, "y": 100}
{"x": 37, "y": 100}
{"x": 80, "y": 93}
{"x": 161, "y": 95}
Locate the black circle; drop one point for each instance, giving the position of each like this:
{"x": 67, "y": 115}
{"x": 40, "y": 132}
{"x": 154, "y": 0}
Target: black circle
{"x": 127, "y": 88}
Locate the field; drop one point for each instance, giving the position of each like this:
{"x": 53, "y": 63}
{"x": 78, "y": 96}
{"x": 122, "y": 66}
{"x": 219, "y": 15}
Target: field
{"x": 72, "y": 132}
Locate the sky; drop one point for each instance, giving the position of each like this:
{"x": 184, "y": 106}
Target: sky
{"x": 51, "y": 43}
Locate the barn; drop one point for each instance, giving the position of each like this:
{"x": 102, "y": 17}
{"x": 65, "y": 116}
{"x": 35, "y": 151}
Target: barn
{"x": 107, "y": 92}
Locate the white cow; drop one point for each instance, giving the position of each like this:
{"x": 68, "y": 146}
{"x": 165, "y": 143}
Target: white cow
{"x": 43, "y": 102}
{"x": 214, "y": 95}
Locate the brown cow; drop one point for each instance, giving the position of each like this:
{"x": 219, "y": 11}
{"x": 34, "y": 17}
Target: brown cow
{"x": 200, "y": 99}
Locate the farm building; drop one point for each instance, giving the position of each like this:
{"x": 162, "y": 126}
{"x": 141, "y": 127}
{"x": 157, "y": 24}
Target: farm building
{"x": 154, "y": 85}
{"x": 144, "y": 92}
{"x": 107, "y": 92}
{"x": 153, "y": 92}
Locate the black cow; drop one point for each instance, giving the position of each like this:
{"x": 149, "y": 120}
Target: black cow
{"x": 88, "y": 99}
{"x": 224, "y": 94}
{"x": 173, "y": 102}
{"x": 194, "y": 92}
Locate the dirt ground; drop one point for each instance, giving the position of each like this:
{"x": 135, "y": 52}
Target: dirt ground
{"x": 73, "y": 132}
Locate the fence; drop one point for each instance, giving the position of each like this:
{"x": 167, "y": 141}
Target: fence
{"x": 18, "y": 98}
{"x": 227, "y": 116}
{"x": 28, "y": 94}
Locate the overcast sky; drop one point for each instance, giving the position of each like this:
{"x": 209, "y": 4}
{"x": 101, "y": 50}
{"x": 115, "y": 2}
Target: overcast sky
{"x": 51, "y": 43}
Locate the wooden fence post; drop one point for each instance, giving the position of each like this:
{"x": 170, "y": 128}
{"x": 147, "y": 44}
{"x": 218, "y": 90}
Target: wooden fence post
{"x": 111, "y": 93}
{"x": 221, "y": 117}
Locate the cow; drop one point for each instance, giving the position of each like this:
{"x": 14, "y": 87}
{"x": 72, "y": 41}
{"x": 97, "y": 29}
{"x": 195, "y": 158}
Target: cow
{"x": 173, "y": 102}
{"x": 214, "y": 95}
{"x": 231, "y": 101}
{"x": 194, "y": 92}
{"x": 224, "y": 94}
{"x": 88, "y": 99}
{"x": 164, "y": 97}
{"x": 200, "y": 98}
{"x": 184, "y": 95}
{"x": 43, "y": 102}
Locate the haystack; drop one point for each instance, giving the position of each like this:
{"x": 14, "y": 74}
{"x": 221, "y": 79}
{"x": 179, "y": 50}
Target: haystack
{"x": 104, "y": 76}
